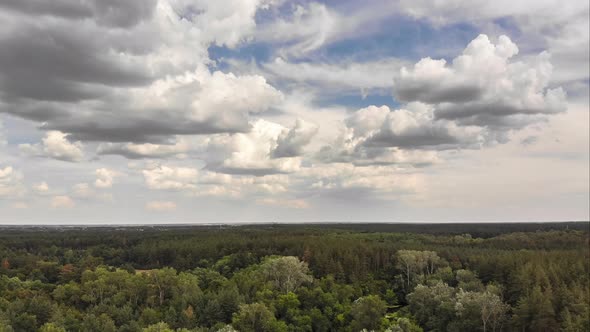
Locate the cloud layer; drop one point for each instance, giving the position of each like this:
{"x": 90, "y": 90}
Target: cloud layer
{"x": 262, "y": 106}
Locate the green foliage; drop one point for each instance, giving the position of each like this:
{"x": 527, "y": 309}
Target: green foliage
{"x": 294, "y": 278}
{"x": 367, "y": 313}
{"x": 256, "y": 317}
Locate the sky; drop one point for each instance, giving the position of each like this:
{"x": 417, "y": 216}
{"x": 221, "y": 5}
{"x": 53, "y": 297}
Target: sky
{"x": 191, "y": 111}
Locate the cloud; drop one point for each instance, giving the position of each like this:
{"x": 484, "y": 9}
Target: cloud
{"x": 171, "y": 178}
{"x": 288, "y": 203}
{"x": 194, "y": 103}
{"x": 269, "y": 148}
{"x": 146, "y": 150}
{"x": 41, "y": 188}
{"x": 160, "y": 206}
{"x": 346, "y": 181}
{"x": 381, "y": 136}
{"x": 291, "y": 142}
{"x": 306, "y": 29}
{"x": 104, "y": 178}
{"x": 483, "y": 86}
{"x": 110, "y": 13}
{"x": 96, "y": 77}
{"x": 62, "y": 202}
{"x": 55, "y": 145}
{"x": 3, "y": 141}
{"x": 342, "y": 76}
{"x": 20, "y": 205}
{"x": 85, "y": 192}
{"x": 202, "y": 182}
{"x": 10, "y": 182}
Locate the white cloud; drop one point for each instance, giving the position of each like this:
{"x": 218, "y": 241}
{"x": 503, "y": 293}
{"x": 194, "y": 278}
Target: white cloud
{"x": 291, "y": 142}
{"x": 160, "y": 206}
{"x": 307, "y": 29}
{"x": 10, "y": 183}
{"x": 20, "y": 205}
{"x": 55, "y": 145}
{"x": 84, "y": 191}
{"x": 196, "y": 182}
{"x": 483, "y": 87}
{"x": 379, "y": 135}
{"x": 104, "y": 178}
{"x": 349, "y": 181}
{"x": 41, "y": 188}
{"x": 146, "y": 150}
{"x": 171, "y": 178}
{"x": 254, "y": 152}
{"x": 288, "y": 203}
{"x": 562, "y": 27}
{"x": 62, "y": 202}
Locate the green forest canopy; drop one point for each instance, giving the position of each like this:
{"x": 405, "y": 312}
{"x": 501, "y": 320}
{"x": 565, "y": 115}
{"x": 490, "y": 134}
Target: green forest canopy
{"x": 330, "y": 277}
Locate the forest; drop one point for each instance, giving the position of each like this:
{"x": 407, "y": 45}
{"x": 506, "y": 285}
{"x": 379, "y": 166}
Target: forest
{"x": 307, "y": 277}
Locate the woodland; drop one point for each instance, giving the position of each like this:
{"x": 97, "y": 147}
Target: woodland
{"x": 306, "y": 277}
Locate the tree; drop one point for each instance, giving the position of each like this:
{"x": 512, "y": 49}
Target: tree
{"x": 468, "y": 281}
{"x": 404, "y": 324}
{"x": 51, "y": 327}
{"x": 433, "y": 306}
{"x": 477, "y": 310}
{"x": 158, "y": 327}
{"x": 286, "y": 273}
{"x": 367, "y": 313}
{"x": 256, "y": 317}
{"x": 535, "y": 312}
{"x": 163, "y": 280}
{"x": 414, "y": 263}
{"x": 102, "y": 323}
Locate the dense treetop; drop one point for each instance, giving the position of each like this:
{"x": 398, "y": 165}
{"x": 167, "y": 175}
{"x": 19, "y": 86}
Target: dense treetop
{"x": 351, "y": 277}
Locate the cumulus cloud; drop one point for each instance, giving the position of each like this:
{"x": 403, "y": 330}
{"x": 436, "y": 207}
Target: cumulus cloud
{"x": 104, "y": 178}
{"x": 160, "y": 206}
{"x": 202, "y": 182}
{"x": 171, "y": 178}
{"x": 269, "y": 148}
{"x": 483, "y": 86}
{"x": 10, "y": 182}
{"x": 62, "y": 202}
{"x": 84, "y": 191}
{"x": 195, "y": 103}
{"x": 41, "y": 188}
{"x": 55, "y": 145}
{"x": 346, "y": 181}
{"x": 144, "y": 79}
{"x": 146, "y": 150}
{"x": 291, "y": 142}
{"x": 379, "y": 135}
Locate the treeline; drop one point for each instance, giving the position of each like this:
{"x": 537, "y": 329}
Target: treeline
{"x": 294, "y": 278}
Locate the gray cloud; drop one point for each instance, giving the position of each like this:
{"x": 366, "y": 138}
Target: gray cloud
{"x": 434, "y": 92}
{"x": 437, "y": 137}
{"x": 106, "y": 12}
{"x": 120, "y": 72}
{"x": 493, "y": 114}
{"x": 55, "y": 63}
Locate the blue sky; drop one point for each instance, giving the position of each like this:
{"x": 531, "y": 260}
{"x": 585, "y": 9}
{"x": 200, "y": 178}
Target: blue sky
{"x": 293, "y": 111}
